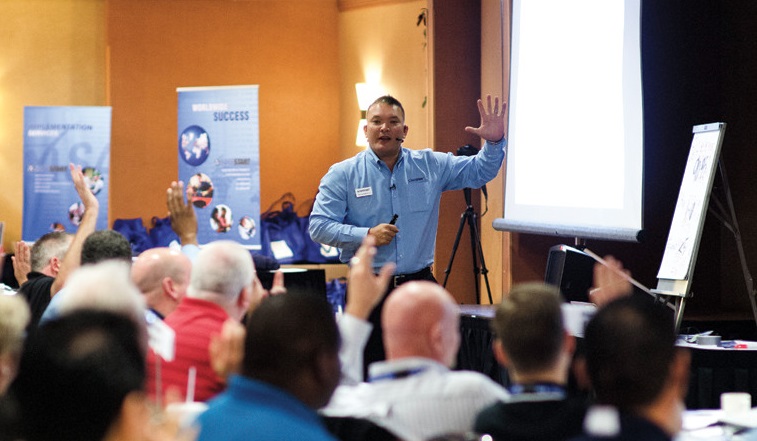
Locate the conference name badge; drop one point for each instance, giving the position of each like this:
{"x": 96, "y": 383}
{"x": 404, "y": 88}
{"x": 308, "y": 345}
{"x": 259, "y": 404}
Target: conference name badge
{"x": 363, "y": 192}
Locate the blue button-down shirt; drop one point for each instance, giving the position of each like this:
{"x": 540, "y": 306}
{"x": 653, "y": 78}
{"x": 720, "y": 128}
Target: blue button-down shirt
{"x": 361, "y": 192}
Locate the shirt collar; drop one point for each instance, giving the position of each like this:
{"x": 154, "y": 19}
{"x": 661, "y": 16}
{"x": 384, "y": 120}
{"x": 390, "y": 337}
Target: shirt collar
{"x": 378, "y": 162}
{"x": 404, "y": 367}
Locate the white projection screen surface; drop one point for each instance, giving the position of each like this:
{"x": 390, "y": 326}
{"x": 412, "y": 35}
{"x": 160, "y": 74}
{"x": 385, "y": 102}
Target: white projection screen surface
{"x": 575, "y": 129}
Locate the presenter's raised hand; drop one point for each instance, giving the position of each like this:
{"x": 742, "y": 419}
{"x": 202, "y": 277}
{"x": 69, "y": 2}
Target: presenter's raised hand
{"x": 492, "y": 126}
{"x": 383, "y": 233}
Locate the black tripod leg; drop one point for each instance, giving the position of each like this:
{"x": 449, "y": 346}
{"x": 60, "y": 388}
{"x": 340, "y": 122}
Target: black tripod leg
{"x": 480, "y": 250}
{"x": 474, "y": 250}
{"x": 454, "y": 249}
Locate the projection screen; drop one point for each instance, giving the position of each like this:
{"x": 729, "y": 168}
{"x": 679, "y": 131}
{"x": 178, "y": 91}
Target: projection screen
{"x": 575, "y": 128}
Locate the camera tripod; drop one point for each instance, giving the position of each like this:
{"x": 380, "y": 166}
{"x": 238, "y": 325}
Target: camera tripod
{"x": 470, "y": 216}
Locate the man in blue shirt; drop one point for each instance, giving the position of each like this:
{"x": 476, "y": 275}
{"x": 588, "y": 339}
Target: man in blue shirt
{"x": 290, "y": 368}
{"x": 393, "y": 194}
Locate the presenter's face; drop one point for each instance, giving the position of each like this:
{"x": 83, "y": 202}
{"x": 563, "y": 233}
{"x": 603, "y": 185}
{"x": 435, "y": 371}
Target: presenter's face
{"x": 385, "y": 130}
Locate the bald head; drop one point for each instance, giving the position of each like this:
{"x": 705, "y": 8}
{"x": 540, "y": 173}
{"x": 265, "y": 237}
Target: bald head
{"x": 421, "y": 319}
{"x": 162, "y": 275}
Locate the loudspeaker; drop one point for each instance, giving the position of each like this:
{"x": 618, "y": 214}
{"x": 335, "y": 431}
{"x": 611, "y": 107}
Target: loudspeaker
{"x": 572, "y": 271}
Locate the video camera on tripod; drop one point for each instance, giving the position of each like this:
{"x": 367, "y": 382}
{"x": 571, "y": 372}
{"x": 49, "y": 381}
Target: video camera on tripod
{"x": 470, "y": 150}
{"x": 470, "y": 217}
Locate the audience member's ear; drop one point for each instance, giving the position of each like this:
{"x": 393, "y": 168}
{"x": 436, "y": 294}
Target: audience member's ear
{"x": 244, "y": 301}
{"x": 134, "y": 420}
{"x": 679, "y": 370}
{"x": 569, "y": 343}
{"x": 55, "y": 265}
{"x": 169, "y": 288}
{"x": 581, "y": 373}
{"x": 499, "y": 353}
{"x": 8, "y": 367}
{"x": 437, "y": 341}
{"x": 327, "y": 372}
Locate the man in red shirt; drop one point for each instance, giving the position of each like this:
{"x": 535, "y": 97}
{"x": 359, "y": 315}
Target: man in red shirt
{"x": 220, "y": 288}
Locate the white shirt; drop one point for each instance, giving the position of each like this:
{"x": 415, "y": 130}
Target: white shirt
{"x": 417, "y": 398}
{"x": 354, "y": 333}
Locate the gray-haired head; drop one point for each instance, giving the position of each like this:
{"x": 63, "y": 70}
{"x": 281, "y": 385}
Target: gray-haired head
{"x": 222, "y": 271}
{"x": 50, "y": 245}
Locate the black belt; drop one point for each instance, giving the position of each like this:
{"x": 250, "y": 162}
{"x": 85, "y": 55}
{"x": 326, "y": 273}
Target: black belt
{"x": 423, "y": 274}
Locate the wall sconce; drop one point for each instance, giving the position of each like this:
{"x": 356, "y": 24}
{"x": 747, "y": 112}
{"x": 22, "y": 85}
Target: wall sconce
{"x": 360, "y": 139}
{"x": 366, "y": 93}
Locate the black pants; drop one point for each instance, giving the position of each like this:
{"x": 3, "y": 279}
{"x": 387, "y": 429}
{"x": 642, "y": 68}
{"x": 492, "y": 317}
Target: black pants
{"x": 374, "y": 348}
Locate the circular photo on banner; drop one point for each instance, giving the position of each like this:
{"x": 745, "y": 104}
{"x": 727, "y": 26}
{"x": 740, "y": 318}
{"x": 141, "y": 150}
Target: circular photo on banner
{"x": 194, "y": 145}
{"x": 93, "y": 178}
{"x": 246, "y": 228}
{"x": 200, "y": 190}
{"x": 75, "y": 213}
{"x": 221, "y": 219}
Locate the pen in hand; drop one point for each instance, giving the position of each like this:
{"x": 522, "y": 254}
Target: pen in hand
{"x": 394, "y": 219}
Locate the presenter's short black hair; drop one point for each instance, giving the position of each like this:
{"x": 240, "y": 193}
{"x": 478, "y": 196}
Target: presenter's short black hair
{"x": 390, "y": 100}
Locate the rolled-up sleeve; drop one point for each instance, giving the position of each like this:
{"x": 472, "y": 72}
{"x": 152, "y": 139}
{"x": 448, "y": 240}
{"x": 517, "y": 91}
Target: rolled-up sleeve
{"x": 476, "y": 171}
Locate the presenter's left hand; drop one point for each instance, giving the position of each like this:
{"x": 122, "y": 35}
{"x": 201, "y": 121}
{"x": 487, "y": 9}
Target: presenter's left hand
{"x": 492, "y": 126}
{"x": 384, "y": 234}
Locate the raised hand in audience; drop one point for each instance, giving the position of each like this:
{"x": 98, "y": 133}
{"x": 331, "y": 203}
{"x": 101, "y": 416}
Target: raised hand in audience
{"x": 609, "y": 282}
{"x": 182, "y": 214}
{"x": 72, "y": 259}
{"x": 365, "y": 287}
{"x": 22, "y": 262}
{"x": 82, "y": 189}
{"x": 227, "y": 349}
{"x": 259, "y": 292}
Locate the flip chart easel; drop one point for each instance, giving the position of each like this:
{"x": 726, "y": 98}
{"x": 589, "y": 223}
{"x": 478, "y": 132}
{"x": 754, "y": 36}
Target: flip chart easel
{"x": 678, "y": 262}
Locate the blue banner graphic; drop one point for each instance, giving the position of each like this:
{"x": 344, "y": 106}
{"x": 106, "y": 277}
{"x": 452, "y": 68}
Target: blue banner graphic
{"x": 218, "y": 145}
{"x": 53, "y": 138}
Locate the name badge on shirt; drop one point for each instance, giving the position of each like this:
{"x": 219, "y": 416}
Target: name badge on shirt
{"x": 363, "y": 192}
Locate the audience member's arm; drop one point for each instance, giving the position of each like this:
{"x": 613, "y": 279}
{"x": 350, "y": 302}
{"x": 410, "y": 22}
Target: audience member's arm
{"x": 366, "y": 288}
{"x": 22, "y": 262}
{"x": 72, "y": 259}
{"x": 365, "y": 291}
{"x": 609, "y": 283}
